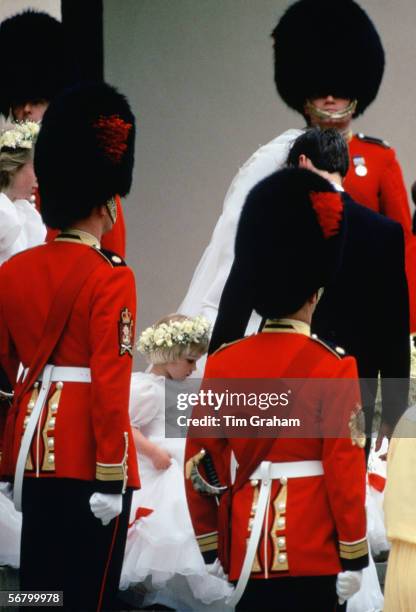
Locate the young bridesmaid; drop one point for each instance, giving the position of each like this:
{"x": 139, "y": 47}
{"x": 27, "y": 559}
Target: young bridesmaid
{"x": 161, "y": 549}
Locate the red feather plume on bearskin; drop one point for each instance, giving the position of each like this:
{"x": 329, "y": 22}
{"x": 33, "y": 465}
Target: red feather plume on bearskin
{"x": 112, "y": 134}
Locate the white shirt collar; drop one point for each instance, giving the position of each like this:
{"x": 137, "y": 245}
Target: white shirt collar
{"x": 337, "y": 186}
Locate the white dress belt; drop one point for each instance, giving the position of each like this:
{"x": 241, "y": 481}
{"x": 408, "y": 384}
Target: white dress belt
{"x": 49, "y": 375}
{"x": 266, "y": 473}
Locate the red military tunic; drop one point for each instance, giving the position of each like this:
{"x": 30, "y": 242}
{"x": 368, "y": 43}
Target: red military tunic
{"x": 316, "y": 524}
{"x": 84, "y": 432}
{"x": 375, "y": 180}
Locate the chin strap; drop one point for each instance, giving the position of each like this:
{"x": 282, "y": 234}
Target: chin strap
{"x": 319, "y": 113}
{"x": 111, "y": 206}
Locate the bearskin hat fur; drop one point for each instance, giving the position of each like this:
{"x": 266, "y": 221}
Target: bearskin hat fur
{"x": 289, "y": 240}
{"x": 31, "y": 48}
{"x": 326, "y": 47}
{"x": 84, "y": 154}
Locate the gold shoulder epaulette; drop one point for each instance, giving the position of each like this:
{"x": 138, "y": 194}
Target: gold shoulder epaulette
{"x": 373, "y": 140}
{"x": 338, "y": 351}
{"x": 227, "y": 344}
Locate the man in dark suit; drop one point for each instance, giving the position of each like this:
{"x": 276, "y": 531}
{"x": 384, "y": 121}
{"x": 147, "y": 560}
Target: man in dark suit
{"x": 365, "y": 309}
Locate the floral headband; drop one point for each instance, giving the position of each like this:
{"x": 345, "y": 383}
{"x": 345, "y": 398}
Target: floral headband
{"x": 166, "y": 335}
{"x": 20, "y": 135}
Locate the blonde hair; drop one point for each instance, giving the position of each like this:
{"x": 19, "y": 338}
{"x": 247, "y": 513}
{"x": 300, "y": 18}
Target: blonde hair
{"x": 11, "y": 160}
{"x": 181, "y": 347}
{"x": 17, "y": 140}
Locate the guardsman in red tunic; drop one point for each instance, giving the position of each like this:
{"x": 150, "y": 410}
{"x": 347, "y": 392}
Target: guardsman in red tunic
{"x": 375, "y": 179}
{"x": 291, "y": 529}
{"x": 338, "y": 85}
{"x": 25, "y": 93}
{"x": 68, "y": 313}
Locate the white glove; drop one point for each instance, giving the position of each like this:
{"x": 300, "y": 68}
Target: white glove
{"x": 348, "y": 583}
{"x": 7, "y": 489}
{"x": 106, "y": 506}
{"x": 216, "y": 569}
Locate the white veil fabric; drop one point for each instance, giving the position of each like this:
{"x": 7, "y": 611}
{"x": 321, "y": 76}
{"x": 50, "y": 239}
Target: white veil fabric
{"x": 204, "y": 292}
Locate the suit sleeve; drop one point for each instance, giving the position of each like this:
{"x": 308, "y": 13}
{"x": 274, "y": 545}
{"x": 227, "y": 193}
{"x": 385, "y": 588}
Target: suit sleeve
{"x": 394, "y": 347}
{"x": 344, "y": 464}
{"x": 112, "y": 319}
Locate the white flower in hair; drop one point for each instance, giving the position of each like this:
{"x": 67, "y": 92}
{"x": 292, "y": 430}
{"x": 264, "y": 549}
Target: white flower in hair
{"x": 188, "y": 331}
{"x": 19, "y": 135}
{"x": 159, "y": 336}
{"x": 187, "y": 326}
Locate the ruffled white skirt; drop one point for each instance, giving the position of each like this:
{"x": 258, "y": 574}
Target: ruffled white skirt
{"x": 10, "y": 531}
{"x": 161, "y": 547}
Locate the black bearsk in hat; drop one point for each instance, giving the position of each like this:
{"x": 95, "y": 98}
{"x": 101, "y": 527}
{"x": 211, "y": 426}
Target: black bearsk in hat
{"x": 84, "y": 154}
{"x": 327, "y": 47}
{"x": 289, "y": 240}
{"x": 31, "y": 48}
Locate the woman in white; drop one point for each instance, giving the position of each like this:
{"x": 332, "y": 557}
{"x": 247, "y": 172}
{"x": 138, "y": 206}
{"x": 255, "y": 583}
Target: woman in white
{"x": 161, "y": 549}
{"x": 21, "y": 225}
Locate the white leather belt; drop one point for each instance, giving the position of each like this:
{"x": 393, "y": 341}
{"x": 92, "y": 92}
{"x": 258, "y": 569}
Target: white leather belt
{"x": 70, "y": 374}
{"x": 291, "y": 469}
{"x": 66, "y": 374}
{"x": 49, "y": 375}
{"x": 266, "y": 473}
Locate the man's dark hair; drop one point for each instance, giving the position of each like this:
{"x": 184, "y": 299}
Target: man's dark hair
{"x": 326, "y": 149}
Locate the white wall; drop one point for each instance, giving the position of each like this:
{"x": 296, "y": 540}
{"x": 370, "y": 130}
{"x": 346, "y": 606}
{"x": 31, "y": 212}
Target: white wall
{"x": 199, "y": 76}
{"x": 11, "y": 7}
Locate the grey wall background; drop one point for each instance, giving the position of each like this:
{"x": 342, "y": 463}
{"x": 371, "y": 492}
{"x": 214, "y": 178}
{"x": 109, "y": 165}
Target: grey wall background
{"x": 199, "y": 76}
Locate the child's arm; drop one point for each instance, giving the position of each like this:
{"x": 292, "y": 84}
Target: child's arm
{"x": 159, "y": 456}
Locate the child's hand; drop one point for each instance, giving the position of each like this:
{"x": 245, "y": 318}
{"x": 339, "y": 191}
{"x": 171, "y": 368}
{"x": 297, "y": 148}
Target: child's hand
{"x": 160, "y": 458}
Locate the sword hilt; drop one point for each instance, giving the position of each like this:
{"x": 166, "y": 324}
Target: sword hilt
{"x": 210, "y": 470}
